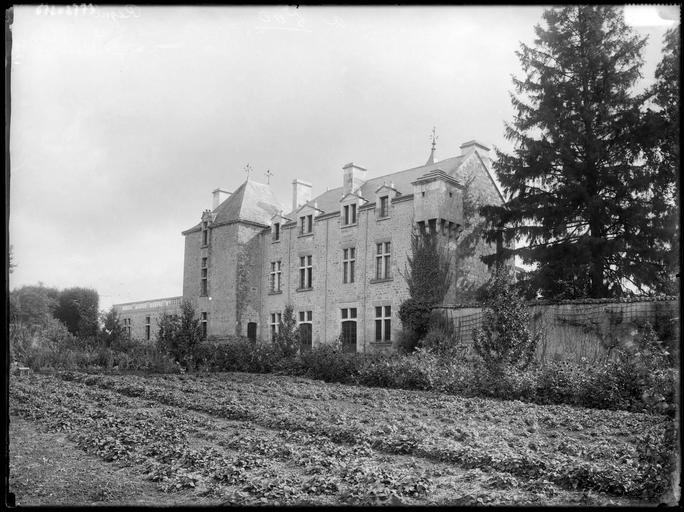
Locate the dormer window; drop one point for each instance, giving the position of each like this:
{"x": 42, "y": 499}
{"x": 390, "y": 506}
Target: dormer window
{"x": 305, "y": 224}
{"x": 349, "y": 214}
{"x": 384, "y": 206}
{"x": 276, "y": 231}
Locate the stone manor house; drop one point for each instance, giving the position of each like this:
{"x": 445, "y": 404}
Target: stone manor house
{"x": 337, "y": 257}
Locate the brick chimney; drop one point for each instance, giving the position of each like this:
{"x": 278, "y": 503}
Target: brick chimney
{"x": 354, "y": 177}
{"x": 218, "y": 196}
{"x": 301, "y": 193}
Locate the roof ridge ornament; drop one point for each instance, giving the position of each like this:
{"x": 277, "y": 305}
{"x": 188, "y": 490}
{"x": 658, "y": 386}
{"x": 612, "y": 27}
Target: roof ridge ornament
{"x": 434, "y": 137}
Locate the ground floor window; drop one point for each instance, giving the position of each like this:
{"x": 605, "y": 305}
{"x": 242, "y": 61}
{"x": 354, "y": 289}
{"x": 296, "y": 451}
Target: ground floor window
{"x": 275, "y": 324}
{"x": 349, "y": 329}
{"x": 252, "y": 331}
{"x": 383, "y": 323}
{"x": 204, "y": 321}
{"x": 306, "y": 330}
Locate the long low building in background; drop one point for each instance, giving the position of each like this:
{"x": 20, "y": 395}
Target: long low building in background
{"x": 141, "y": 319}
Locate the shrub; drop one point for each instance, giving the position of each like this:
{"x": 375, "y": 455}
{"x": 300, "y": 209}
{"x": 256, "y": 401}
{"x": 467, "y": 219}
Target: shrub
{"x": 287, "y": 339}
{"x": 179, "y": 335}
{"x": 330, "y": 364}
{"x": 505, "y": 341}
{"x": 415, "y": 318}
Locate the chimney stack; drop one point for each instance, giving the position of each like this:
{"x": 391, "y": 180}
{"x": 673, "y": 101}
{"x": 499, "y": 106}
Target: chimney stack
{"x": 218, "y": 196}
{"x": 301, "y": 193}
{"x": 468, "y": 147}
{"x": 354, "y": 177}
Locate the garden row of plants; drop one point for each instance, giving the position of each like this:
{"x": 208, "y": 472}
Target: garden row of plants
{"x": 616, "y": 452}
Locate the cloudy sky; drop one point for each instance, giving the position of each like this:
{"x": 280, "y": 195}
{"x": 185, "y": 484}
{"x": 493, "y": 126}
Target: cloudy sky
{"x": 124, "y": 119}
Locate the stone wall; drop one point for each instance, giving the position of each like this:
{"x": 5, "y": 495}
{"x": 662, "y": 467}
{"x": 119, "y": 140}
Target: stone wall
{"x": 575, "y": 329}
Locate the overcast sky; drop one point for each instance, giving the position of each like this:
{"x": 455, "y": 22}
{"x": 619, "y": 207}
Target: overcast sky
{"x": 124, "y": 119}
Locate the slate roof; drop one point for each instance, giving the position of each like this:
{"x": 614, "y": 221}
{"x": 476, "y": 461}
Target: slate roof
{"x": 329, "y": 201}
{"x": 251, "y": 202}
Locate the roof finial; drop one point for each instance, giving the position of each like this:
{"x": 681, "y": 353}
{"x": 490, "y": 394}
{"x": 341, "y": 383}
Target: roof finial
{"x": 434, "y": 138}
{"x": 268, "y": 176}
{"x": 247, "y": 169}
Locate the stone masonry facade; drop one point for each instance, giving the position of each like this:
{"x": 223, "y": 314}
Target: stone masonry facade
{"x": 337, "y": 258}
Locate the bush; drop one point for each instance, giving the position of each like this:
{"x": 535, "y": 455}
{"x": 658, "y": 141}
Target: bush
{"x": 504, "y": 341}
{"x": 287, "y": 339}
{"x": 330, "y": 364}
{"x": 415, "y": 318}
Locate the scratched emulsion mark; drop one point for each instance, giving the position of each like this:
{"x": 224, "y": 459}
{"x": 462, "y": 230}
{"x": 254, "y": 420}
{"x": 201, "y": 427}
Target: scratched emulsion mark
{"x": 112, "y": 13}
{"x": 295, "y": 19}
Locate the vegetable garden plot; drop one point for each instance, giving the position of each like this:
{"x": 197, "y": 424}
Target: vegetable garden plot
{"x": 511, "y": 444}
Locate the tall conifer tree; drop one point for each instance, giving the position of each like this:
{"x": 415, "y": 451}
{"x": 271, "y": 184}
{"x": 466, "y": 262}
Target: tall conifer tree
{"x": 578, "y": 187}
{"x": 661, "y": 147}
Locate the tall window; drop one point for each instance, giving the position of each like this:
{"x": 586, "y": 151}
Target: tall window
{"x": 205, "y": 233}
{"x": 275, "y": 324}
{"x": 383, "y": 323}
{"x": 148, "y": 328}
{"x": 306, "y": 329}
{"x": 348, "y": 261}
{"x": 382, "y": 260}
{"x": 276, "y": 273}
{"x": 305, "y": 224}
{"x": 276, "y": 231}
{"x": 204, "y": 322}
{"x": 348, "y": 329}
{"x": 384, "y": 206}
{"x": 127, "y": 326}
{"x": 349, "y": 214}
{"x": 305, "y": 272}
{"x": 203, "y": 281}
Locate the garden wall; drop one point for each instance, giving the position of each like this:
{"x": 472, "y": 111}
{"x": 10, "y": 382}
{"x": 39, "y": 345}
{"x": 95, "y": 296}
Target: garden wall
{"x": 588, "y": 328}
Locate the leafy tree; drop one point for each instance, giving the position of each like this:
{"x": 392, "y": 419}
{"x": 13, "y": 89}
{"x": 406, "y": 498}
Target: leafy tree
{"x": 428, "y": 269}
{"x": 33, "y": 305}
{"x": 180, "y": 335}
{"x": 428, "y": 275}
{"x": 113, "y": 334}
{"x": 660, "y": 138}
{"x": 579, "y": 193}
{"x": 287, "y": 339}
{"x": 78, "y": 309}
{"x": 505, "y": 341}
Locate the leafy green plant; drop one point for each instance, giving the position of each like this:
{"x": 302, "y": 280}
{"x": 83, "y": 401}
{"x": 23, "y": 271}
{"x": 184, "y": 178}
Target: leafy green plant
{"x": 505, "y": 341}
{"x": 287, "y": 339}
{"x": 179, "y": 335}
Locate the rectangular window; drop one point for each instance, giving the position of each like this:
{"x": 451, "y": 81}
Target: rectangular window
{"x": 348, "y": 262}
{"x": 205, "y": 233}
{"x": 127, "y": 326}
{"x": 383, "y": 323}
{"x": 203, "y": 282}
{"x": 382, "y": 260}
{"x": 148, "y": 328}
{"x": 276, "y": 231}
{"x": 349, "y": 213}
{"x": 305, "y": 272}
{"x": 348, "y": 313}
{"x": 384, "y": 206}
{"x": 276, "y": 276}
{"x": 305, "y": 224}
{"x": 275, "y": 323}
{"x": 204, "y": 322}
{"x": 305, "y": 329}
